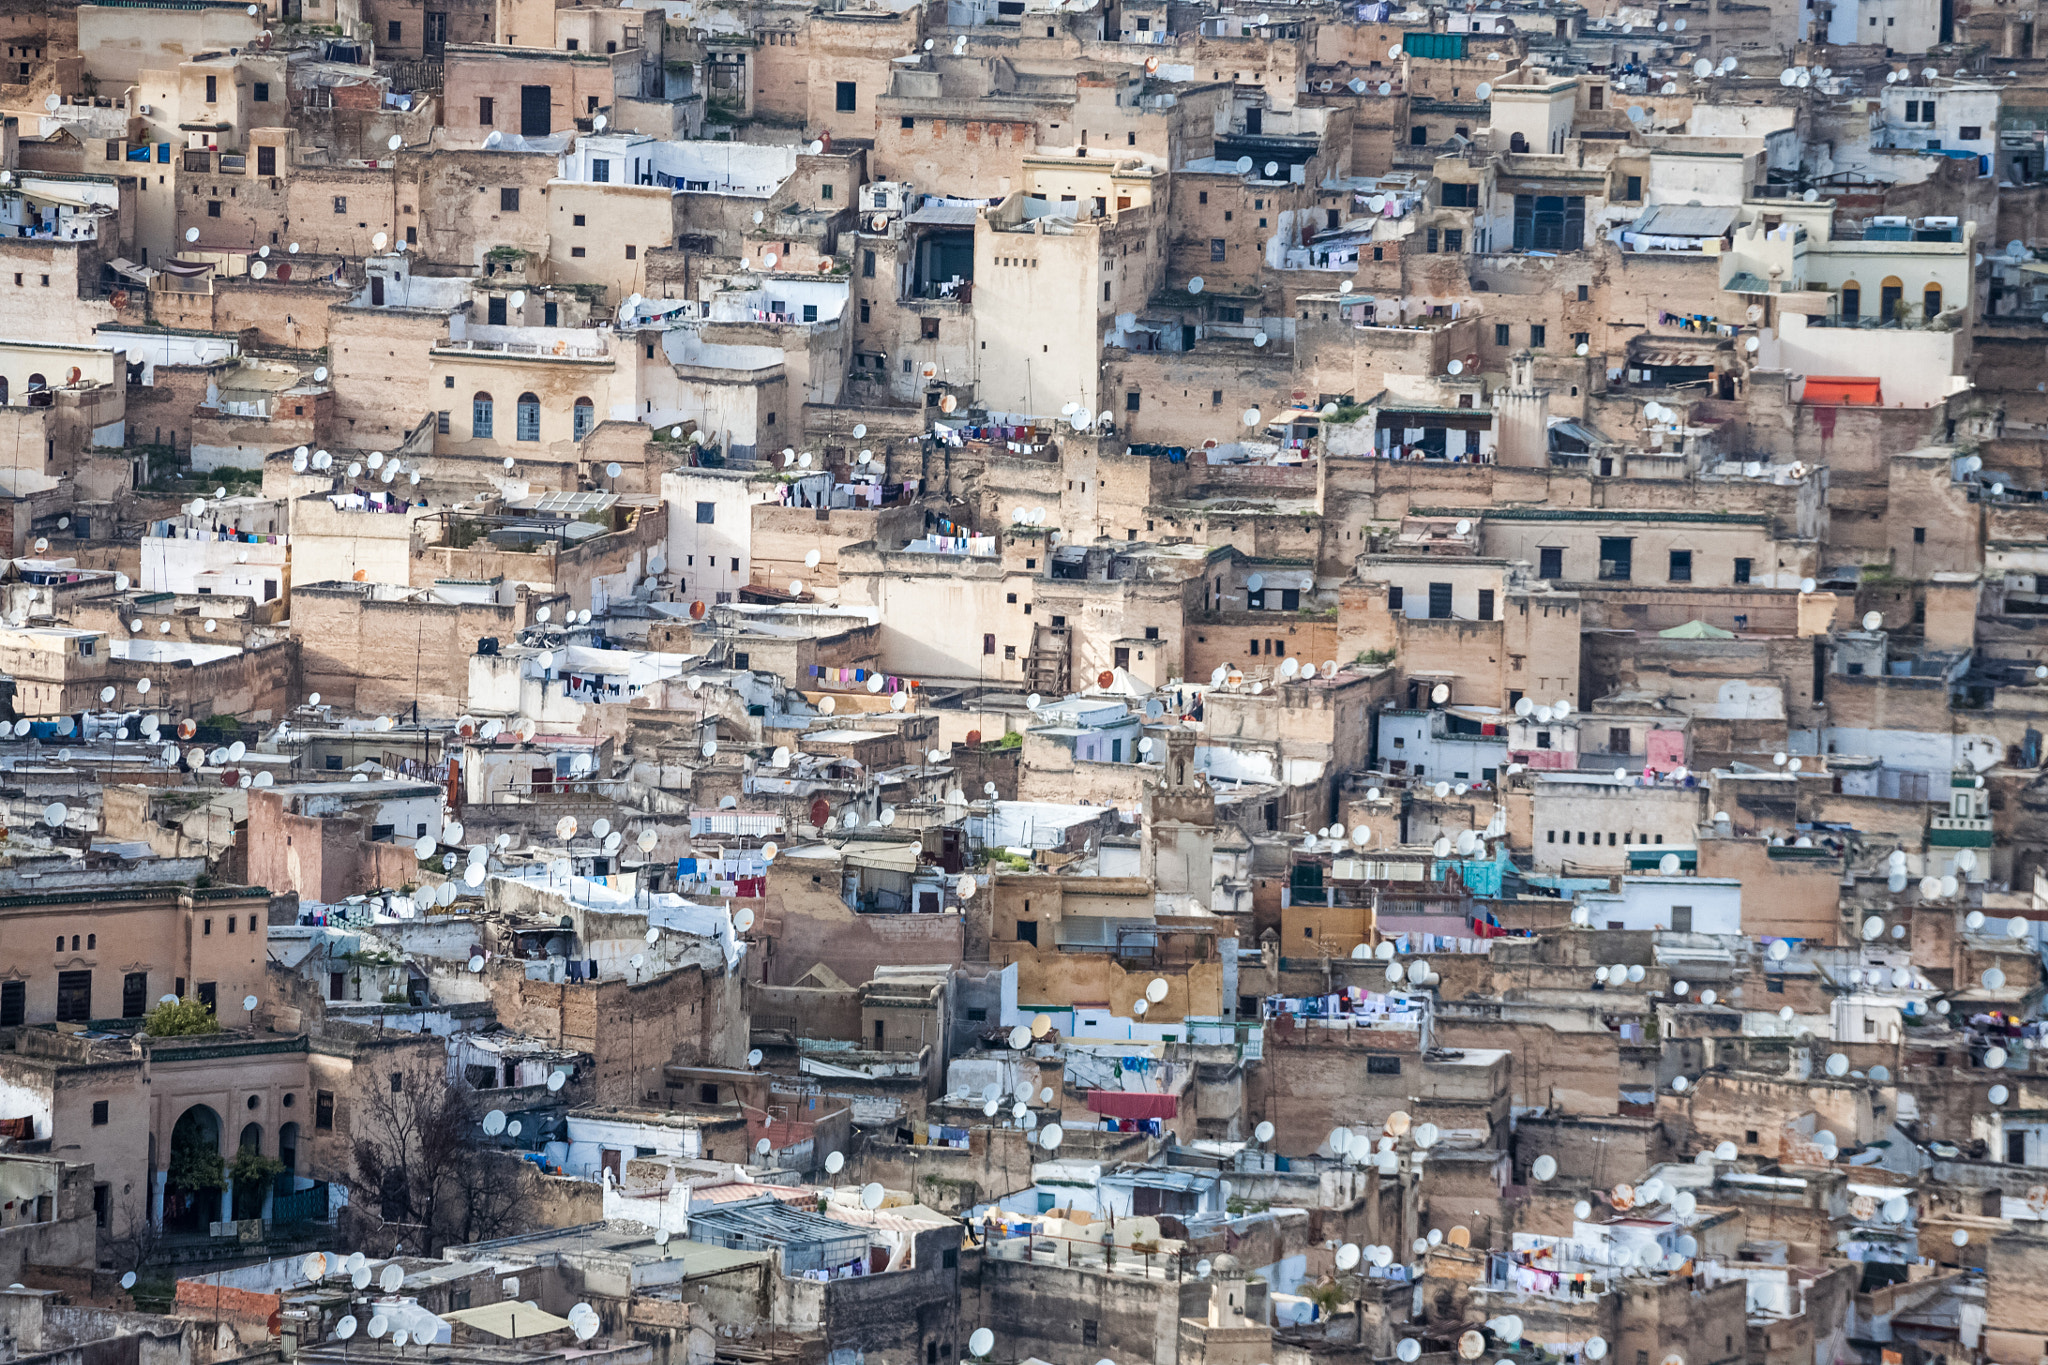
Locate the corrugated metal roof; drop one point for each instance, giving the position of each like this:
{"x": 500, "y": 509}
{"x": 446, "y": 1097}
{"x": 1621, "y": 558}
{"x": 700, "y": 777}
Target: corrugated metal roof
{"x": 1686, "y": 220}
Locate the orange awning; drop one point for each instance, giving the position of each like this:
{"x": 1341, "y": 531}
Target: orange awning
{"x": 1825, "y": 388}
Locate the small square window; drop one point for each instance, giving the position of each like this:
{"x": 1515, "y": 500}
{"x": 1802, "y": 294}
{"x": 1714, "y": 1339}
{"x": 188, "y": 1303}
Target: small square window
{"x": 508, "y": 199}
{"x": 99, "y": 1113}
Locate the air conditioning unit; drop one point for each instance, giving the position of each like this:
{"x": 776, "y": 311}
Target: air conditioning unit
{"x": 142, "y": 110}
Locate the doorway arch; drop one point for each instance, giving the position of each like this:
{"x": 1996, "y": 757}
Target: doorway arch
{"x": 193, "y": 1176}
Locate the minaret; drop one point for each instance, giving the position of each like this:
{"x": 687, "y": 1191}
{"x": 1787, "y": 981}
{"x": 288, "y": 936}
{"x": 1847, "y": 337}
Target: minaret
{"x": 1178, "y": 846}
{"x": 1521, "y": 416}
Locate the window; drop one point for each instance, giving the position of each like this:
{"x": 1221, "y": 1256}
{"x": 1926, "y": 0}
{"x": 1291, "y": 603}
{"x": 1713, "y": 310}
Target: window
{"x": 1394, "y": 599}
{"x": 486, "y": 110}
{"x": 213, "y": 89}
{"x": 707, "y": 513}
{"x": 99, "y": 1113}
{"x": 213, "y": 208}
{"x": 1486, "y": 604}
{"x": 988, "y": 644}
{"x": 1382, "y": 1064}
{"x": 1919, "y": 535}
{"x": 397, "y": 1082}
{"x": 1131, "y": 401}
{"x": 442, "y": 425}
{"x": 1742, "y": 570}
{"x": 205, "y": 931}
{"x": 583, "y": 418}
{"x": 1549, "y": 222}
{"x": 1217, "y": 248}
{"x": 844, "y": 97}
{"x": 527, "y": 418}
{"x": 1615, "y": 553}
{"x": 1633, "y": 189}
{"x": 1439, "y": 601}
{"x": 480, "y": 417}
{"x": 74, "y": 997}
{"x": 867, "y": 265}
{"x": 1418, "y": 136}
{"x": 1027, "y": 931}
{"x": 1089, "y": 1329}
{"x": 1430, "y": 239}
{"x": 134, "y": 995}
{"x": 1930, "y": 301}
{"x": 1537, "y": 333}
{"x": 1502, "y": 336}
{"x": 393, "y": 31}
{"x": 577, "y": 252}
{"x": 1461, "y": 196}
{"x": 633, "y": 254}
{"x": 13, "y": 1001}
{"x": 1970, "y": 132}
{"x": 1584, "y": 293}
{"x": 1681, "y": 566}
{"x": 1681, "y": 919}
{"x": 601, "y": 170}
{"x": 1454, "y": 239}
{"x": 266, "y": 157}
{"x": 323, "y": 1109}
{"x": 340, "y": 204}
{"x": 928, "y": 329}
{"x": 508, "y": 199}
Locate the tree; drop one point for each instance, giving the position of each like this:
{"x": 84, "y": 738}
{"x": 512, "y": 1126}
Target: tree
{"x": 179, "y": 1019}
{"x": 417, "y": 1179}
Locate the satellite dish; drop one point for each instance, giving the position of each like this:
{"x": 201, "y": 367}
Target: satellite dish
{"x": 871, "y": 1195}
{"x": 392, "y": 1277}
{"x": 346, "y": 1328}
{"x": 1544, "y": 1167}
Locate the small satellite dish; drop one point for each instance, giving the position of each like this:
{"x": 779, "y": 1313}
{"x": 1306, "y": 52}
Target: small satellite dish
{"x": 871, "y": 1195}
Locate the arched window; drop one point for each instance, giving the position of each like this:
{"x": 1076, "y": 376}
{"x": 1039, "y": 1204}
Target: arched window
{"x": 583, "y": 419}
{"x": 1518, "y": 143}
{"x": 3, "y": 390}
{"x": 1890, "y": 292}
{"x": 529, "y": 417}
{"x": 1930, "y": 301}
{"x": 36, "y": 381}
{"x": 1852, "y": 301}
{"x": 480, "y": 417}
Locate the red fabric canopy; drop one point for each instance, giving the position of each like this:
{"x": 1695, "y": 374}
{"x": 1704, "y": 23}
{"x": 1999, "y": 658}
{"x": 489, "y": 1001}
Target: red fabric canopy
{"x": 1845, "y": 389}
{"x": 1132, "y": 1104}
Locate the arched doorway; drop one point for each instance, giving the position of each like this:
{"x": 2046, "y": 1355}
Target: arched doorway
{"x": 288, "y": 1151}
{"x": 193, "y": 1176}
{"x": 254, "y": 1173}
{"x": 1890, "y": 291}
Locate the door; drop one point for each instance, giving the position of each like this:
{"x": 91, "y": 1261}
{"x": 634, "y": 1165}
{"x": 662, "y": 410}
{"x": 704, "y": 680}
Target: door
{"x": 436, "y": 34}
{"x": 536, "y": 110}
{"x": 1254, "y": 121}
{"x": 207, "y": 993}
{"x": 1439, "y": 601}
{"x": 614, "y": 1162}
{"x": 1122, "y": 657}
{"x": 376, "y": 291}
